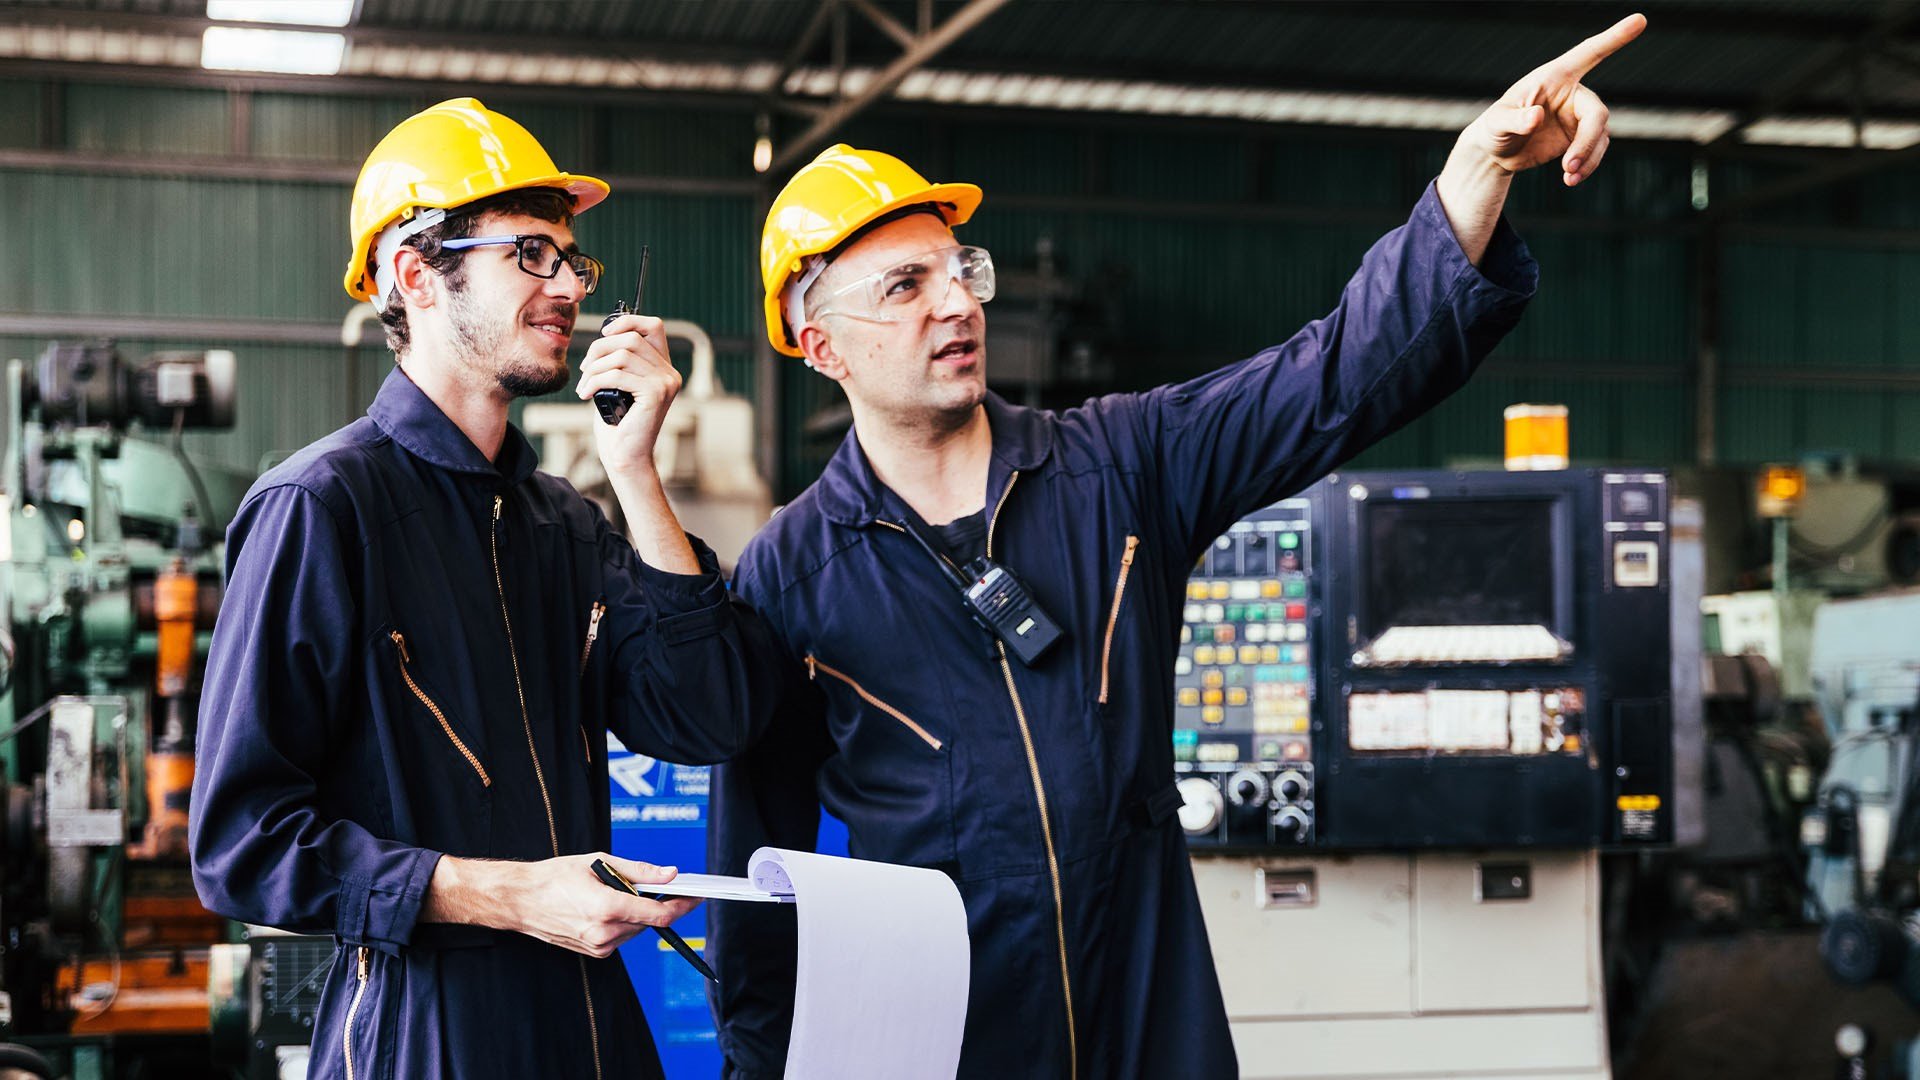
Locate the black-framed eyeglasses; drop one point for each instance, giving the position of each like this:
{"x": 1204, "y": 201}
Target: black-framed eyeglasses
{"x": 538, "y": 256}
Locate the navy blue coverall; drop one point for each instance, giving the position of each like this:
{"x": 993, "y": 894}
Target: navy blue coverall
{"x": 421, "y": 653}
{"x": 1046, "y": 792}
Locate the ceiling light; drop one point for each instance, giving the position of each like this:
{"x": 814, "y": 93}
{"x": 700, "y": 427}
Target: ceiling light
{"x": 231, "y": 48}
{"x": 298, "y": 12}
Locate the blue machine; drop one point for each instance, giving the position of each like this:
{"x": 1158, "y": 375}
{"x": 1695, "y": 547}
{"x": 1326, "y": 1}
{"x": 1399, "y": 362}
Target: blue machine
{"x": 660, "y": 816}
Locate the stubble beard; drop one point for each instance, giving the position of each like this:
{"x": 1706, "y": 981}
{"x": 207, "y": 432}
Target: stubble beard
{"x": 483, "y": 342}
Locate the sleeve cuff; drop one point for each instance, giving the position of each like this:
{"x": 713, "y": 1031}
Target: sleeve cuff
{"x": 1507, "y": 272}
{"x": 382, "y": 914}
{"x": 679, "y": 594}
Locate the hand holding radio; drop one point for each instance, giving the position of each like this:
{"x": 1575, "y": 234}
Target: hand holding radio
{"x": 629, "y": 375}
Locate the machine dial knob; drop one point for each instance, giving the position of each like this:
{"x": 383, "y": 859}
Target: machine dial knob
{"x": 1201, "y": 806}
{"x": 1291, "y": 786}
{"x": 1290, "y": 823}
{"x": 1247, "y": 788}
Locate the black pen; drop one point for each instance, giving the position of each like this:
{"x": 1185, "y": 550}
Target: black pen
{"x": 613, "y": 404}
{"x": 614, "y": 879}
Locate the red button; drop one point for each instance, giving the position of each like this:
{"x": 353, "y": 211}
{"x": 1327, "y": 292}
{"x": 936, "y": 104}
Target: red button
{"x": 1296, "y": 611}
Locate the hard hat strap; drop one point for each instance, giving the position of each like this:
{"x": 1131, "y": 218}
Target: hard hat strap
{"x": 387, "y": 248}
{"x": 815, "y": 265}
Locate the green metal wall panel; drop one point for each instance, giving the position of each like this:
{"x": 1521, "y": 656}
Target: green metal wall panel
{"x": 141, "y": 119}
{"x": 305, "y": 128}
{"x": 169, "y": 246}
{"x": 1761, "y": 322}
{"x": 702, "y": 256}
{"x": 1903, "y": 443}
{"x": 682, "y": 143}
{"x": 1314, "y": 172}
{"x": 20, "y": 106}
{"x": 1019, "y": 159}
{"x": 1188, "y": 168}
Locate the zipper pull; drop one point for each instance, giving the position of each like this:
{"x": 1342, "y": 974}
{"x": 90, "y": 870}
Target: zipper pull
{"x": 400, "y": 640}
{"x": 812, "y": 673}
{"x": 363, "y": 963}
{"x": 497, "y": 501}
{"x": 593, "y": 623}
{"x": 1126, "y": 558}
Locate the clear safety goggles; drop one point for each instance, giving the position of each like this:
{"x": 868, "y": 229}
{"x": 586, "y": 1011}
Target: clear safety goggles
{"x": 911, "y": 290}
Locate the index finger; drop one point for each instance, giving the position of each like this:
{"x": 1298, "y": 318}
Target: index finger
{"x": 631, "y": 321}
{"x": 1585, "y": 56}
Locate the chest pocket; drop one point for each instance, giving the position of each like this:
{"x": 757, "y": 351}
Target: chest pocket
{"x": 903, "y": 769}
{"x": 431, "y": 745}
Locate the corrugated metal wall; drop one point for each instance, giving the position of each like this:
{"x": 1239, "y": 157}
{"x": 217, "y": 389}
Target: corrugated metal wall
{"x": 1208, "y": 244}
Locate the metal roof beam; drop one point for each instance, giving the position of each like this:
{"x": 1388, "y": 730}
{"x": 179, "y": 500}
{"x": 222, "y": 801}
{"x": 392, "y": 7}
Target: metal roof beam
{"x": 925, "y": 48}
{"x": 802, "y": 45}
{"x": 901, "y": 36}
{"x": 1819, "y": 65}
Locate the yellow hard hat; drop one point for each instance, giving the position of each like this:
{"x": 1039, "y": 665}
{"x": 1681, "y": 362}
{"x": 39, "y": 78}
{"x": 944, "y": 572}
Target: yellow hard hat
{"x": 448, "y": 156}
{"x": 830, "y": 199}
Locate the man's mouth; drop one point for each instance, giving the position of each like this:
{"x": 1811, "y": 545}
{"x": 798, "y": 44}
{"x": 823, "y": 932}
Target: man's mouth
{"x": 959, "y": 350}
{"x": 558, "y": 327}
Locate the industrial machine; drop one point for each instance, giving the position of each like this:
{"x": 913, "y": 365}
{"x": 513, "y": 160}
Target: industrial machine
{"x": 1413, "y": 709}
{"x": 1432, "y": 660}
{"x": 1863, "y": 834}
{"x": 110, "y": 576}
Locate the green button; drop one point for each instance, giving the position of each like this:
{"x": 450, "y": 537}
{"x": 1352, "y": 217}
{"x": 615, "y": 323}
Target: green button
{"x": 1289, "y": 540}
{"x": 1203, "y": 633}
{"x": 1296, "y": 588}
{"x": 1256, "y": 612}
{"x": 1236, "y": 612}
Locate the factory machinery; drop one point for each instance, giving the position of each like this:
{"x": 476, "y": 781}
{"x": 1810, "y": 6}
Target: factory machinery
{"x": 1413, "y": 711}
{"x": 110, "y": 577}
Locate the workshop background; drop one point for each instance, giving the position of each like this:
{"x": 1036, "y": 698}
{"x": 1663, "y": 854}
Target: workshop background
{"x": 1169, "y": 186}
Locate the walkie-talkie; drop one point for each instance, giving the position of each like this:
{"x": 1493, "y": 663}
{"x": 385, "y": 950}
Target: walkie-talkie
{"x": 613, "y": 404}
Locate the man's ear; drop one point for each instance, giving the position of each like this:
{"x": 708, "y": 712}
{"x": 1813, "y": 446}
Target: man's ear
{"x": 414, "y": 278}
{"x": 817, "y": 347}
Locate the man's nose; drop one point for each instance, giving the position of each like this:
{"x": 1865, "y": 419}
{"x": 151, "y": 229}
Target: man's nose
{"x": 566, "y": 284}
{"x": 955, "y": 301}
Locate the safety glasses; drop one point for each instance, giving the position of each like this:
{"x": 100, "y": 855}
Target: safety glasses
{"x": 911, "y": 289}
{"x": 538, "y": 256}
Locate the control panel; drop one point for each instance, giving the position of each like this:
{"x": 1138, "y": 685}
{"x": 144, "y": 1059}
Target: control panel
{"x": 1434, "y": 659}
{"x": 1244, "y": 685}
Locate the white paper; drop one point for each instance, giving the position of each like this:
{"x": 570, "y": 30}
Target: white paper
{"x": 716, "y": 887}
{"x": 884, "y": 967}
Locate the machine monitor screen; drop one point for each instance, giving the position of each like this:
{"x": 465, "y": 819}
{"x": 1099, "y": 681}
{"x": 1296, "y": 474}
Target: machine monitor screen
{"x": 1461, "y": 580}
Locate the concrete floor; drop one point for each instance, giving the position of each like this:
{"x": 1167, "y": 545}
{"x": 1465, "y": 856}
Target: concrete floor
{"x": 1753, "y": 1005}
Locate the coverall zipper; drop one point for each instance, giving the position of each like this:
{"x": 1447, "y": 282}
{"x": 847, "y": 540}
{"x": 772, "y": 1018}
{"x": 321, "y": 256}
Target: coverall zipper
{"x": 353, "y": 1007}
{"x": 539, "y": 774}
{"x": 586, "y": 653}
{"x": 1113, "y": 617}
{"x": 813, "y": 663}
{"x": 406, "y": 664}
{"x": 593, "y": 631}
{"x": 1040, "y": 795}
